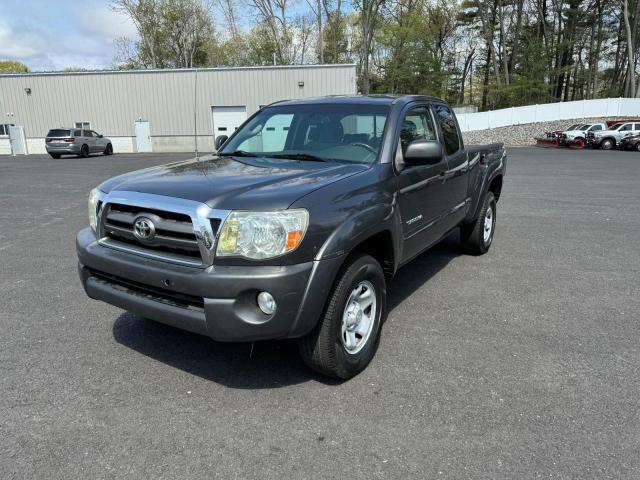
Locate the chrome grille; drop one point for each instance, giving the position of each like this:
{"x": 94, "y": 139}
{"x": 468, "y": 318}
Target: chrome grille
{"x": 174, "y": 234}
{"x": 183, "y": 231}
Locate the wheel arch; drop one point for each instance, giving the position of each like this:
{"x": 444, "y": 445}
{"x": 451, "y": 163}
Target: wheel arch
{"x": 376, "y": 231}
{"x": 380, "y": 247}
{"x": 495, "y": 186}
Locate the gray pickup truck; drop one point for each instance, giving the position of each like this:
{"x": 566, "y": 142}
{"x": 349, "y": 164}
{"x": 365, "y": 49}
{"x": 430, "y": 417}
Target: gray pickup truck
{"x": 295, "y": 227}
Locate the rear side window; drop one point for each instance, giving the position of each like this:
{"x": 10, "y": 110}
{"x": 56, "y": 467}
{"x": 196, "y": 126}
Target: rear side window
{"x": 636, "y": 126}
{"x": 58, "y": 133}
{"x": 77, "y": 133}
{"x": 447, "y": 123}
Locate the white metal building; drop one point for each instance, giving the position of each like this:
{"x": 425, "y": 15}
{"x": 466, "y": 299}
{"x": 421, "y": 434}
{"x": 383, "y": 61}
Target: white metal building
{"x": 156, "y": 110}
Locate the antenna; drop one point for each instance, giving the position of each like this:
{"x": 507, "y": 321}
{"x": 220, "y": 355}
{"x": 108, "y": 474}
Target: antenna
{"x": 195, "y": 111}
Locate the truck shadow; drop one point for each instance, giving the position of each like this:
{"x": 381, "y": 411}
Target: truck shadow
{"x": 266, "y": 364}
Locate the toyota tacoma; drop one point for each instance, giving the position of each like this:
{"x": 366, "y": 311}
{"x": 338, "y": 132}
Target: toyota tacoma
{"x": 294, "y": 228}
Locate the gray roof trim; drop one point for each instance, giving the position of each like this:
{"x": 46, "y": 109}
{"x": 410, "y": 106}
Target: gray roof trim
{"x": 180, "y": 70}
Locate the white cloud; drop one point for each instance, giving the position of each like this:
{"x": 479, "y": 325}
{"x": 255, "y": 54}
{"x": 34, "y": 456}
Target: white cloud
{"x": 47, "y": 35}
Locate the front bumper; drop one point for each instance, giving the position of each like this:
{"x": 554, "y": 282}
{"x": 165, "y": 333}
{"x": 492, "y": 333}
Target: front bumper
{"x": 218, "y": 301}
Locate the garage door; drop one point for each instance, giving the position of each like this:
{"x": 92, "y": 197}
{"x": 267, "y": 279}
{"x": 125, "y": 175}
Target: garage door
{"x": 227, "y": 119}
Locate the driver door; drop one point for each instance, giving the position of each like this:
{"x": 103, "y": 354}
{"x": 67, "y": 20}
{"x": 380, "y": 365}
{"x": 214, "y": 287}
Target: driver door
{"x": 100, "y": 142}
{"x": 421, "y": 195}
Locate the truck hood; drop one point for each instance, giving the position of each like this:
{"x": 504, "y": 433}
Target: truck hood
{"x": 234, "y": 183}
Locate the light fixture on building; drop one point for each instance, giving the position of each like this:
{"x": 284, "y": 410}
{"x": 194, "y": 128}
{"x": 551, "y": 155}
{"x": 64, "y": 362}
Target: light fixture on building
{"x": 300, "y": 83}
{"x": 28, "y": 90}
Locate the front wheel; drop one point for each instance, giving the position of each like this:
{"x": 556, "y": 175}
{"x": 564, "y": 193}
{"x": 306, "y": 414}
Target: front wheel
{"x": 346, "y": 337}
{"x": 108, "y": 150}
{"x": 607, "y": 144}
{"x": 477, "y": 236}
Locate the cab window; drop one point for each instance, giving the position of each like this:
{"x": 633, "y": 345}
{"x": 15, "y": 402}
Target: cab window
{"x": 417, "y": 125}
{"x": 450, "y": 136}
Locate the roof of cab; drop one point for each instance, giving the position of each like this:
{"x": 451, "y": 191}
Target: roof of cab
{"x": 381, "y": 99}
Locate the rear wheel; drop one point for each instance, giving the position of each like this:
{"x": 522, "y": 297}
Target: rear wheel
{"x": 607, "y": 144}
{"x": 55, "y": 155}
{"x": 477, "y": 236}
{"x": 346, "y": 337}
{"x": 108, "y": 150}
{"x": 84, "y": 151}
{"x": 637, "y": 147}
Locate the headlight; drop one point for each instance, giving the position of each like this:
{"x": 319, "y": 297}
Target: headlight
{"x": 260, "y": 235}
{"x": 94, "y": 202}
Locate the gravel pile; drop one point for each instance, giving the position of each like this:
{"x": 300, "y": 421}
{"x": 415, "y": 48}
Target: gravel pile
{"x": 522, "y": 135}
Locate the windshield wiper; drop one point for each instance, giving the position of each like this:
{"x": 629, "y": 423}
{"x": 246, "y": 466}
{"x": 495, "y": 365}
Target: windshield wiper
{"x": 298, "y": 156}
{"x": 238, "y": 153}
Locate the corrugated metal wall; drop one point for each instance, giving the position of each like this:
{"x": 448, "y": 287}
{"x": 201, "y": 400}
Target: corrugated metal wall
{"x": 113, "y": 101}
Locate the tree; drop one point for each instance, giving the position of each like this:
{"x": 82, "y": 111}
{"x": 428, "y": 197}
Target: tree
{"x": 274, "y": 15}
{"x": 492, "y": 53}
{"x": 368, "y": 17}
{"x": 172, "y": 33}
{"x": 147, "y": 18}
{"x": 10, "y": 66}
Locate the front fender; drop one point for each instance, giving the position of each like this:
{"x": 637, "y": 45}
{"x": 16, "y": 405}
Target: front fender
{"x": 361, "y": 226}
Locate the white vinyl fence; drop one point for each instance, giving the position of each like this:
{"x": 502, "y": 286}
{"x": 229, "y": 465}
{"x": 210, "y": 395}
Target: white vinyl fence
{"x": 603, "y": 107}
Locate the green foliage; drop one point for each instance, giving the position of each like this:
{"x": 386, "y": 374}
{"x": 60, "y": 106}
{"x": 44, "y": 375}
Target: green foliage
{"x": 335, "y": 40}
{"x": 172, "y": 34}
{"x": 10, "y": 66}
{"x": 494, "y": 54}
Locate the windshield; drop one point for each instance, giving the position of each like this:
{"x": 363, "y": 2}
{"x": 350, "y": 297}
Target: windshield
{"x": 326, "y": 132}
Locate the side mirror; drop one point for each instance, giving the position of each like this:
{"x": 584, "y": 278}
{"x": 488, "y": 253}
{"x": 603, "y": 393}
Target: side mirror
{"x": 220, "y": 141}
{"x": 423, "y": 152}
{"x": 100, "y": 136}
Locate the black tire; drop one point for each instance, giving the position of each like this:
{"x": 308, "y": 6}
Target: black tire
{"x": 607, "y": 144}
{"x": 108, "y": 149}
{"x": 55, "y": 155}
{"x": 473, "y": 234}
{"x": 84, "y": 151}
{"x": 324, "y": 349}
{"x": 637, "y": 146}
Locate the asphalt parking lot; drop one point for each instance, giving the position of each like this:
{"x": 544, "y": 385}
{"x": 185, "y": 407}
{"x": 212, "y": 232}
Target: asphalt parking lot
{"x": 523, "y": 363}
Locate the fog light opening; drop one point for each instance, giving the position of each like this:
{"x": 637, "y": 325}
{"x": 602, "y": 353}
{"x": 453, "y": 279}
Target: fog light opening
{"x": 267, "y": 303}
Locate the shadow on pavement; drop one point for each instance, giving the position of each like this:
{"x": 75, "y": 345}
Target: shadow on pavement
{"x": 266, "y": 364}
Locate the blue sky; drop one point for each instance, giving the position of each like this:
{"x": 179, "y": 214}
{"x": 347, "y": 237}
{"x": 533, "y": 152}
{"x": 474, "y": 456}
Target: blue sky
{"x": 56, "y": 34}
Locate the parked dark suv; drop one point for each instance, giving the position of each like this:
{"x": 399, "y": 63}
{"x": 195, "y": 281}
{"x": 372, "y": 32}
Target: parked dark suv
{"x": 296, "y": 226}
{"x": 632, "y": 142}
{"x": 76, "y": 141}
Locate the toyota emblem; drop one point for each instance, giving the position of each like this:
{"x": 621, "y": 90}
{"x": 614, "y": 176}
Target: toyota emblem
{"x": 144, "y": 229}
